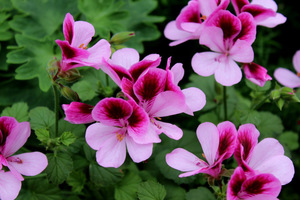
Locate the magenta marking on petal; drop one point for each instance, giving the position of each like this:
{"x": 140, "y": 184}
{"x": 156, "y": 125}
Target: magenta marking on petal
{"x": 6, "y": 126}
{"x": 68, "y": 27}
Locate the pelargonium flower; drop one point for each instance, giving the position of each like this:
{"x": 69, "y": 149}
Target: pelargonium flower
{"x": 120, "y": 125}
{"x": 75, "y": 52}
{"x": 13, "y": 136}
{"x": 78, "y": 113}
{"x": 267, "y": 156}
{"x": 263, "y": 11}
{"x": 230, "y": 38}
{"x": 218, "y": 143}
{"x": 287, "y": 77}
{"x": 256, "y": 73}
{"x": 256, "y": 187}
{"x": 190, "y": 22}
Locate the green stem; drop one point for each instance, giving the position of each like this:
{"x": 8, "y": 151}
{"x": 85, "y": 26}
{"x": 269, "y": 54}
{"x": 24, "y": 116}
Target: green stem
{"x": 107, "y": 80}
{"x": 56, "y": 109}
{"x": 260, "y": 103}
{"x": 225, "y": 102}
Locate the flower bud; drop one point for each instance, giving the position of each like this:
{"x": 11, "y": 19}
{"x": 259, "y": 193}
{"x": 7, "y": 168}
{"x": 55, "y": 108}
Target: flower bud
{"x": 69, "y": 93}
{"x": 120, "y": 38}
{"x": 70, "y": 75}
{"x": 289, "y": 94}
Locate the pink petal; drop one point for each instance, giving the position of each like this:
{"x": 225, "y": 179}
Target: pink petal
{"x": 238, "y": 5}
{"x": 78, "y": 113}
{"x": 228, "y": 73}
{"x": 271, "y": 22}
{"x": 83, "y": 33}
{"x": 227, "y": 141}
{"x": 171, "y": 130}
{"x": 178, "y": 73}
{"x": 195, "y": 99}
{"x": 256, "y": 73}
{"x": 262, "y": 196}
{"x": 213, "y": 37}
{"x": 141, "y": 67}
{"x": 29, "y": 164}
{"x": 112, "y": 111}
{"x": 271, "y": 4}
{"x": 97, "y": 135}
{"x": 242, "y": 51}
{"x": 125, "y": 57}
{"x": 16, "y": 138}
{"x": 235, "y": 183}
{"x": 173, "y": 33}
{"x": 138, "y": 152}
{"x": 206, "y": 63}
{"x": 248, "y": 32}
{"x": 296, "y": 61}
{"x": 287, "y": 78}
{"x": 68, "y": 27}
{"x": 259, "y": 12}
{"x": 190, "y": 13}
{"x": 208, "y": 136}
{"x": 9, "y": 186}
{"x": 99, "y": 52}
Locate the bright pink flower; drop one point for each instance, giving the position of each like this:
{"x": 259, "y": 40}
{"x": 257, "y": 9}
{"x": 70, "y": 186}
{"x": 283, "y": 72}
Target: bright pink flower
{"x": 190, "y": 22}
{"x": 230, "y": 39}
{"x": 125, "y": 63}
{"x": 267, "y": 156}
{"x": 13, "y": 136}
{"x": 9, "y": 186}
{"x": 287, "y": 77}
{"x": 74, "y": 48}
{"x": 121, "y": 124}
{"x": 217, "y": 144}
{"x": 263, "y": 11}
{"x": 256, "y": 73}
{"x": 257, "y": 187}
{"x": 78, "y": 113}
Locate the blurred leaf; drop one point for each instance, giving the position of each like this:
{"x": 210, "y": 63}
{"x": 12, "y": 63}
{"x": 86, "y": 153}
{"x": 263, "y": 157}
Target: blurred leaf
{"x": 85, "y": 90}
{"x": 67, "y": 138}
{"x": 41, "y": 117}
{"x": 151, "y": 190}
{"x": 270, "y": 125}
{"x": 77, "y": 180}
{"x": 59, "y": 167}
{"x": 174, "y": 192}
{"x": 42, "y": 135}
{"x": 18, "y": 111}
{"x": 290, "y": 140}
{"x": 128, "y": 187}
{"x": 201, "y": 193}
{"x": 104, "y": 176}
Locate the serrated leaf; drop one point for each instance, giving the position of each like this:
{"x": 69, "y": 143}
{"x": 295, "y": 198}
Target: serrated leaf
{"x": 18, "y": 110}
{"x": 174, "y": 192}
{"x": 151, "y": 190}
{"x": 104, "y": 176}
{"x": 77, "y": 180}
{"x": 85, "y": 90}
{"x": 201, "y": 193}
{"x": 59, "y": 167}
{"x": 270, "y": 125}
{"x": 42, "y": 135}
{"x": 41, "y": 117}
{"x": 67, "y": 138}
{"x": 127, "y": 188}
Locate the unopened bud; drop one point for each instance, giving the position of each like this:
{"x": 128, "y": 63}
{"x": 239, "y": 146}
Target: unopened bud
{"x": 69, "y": 93}
{"x": 289, "y": 94}
{"x": 275, "y": 94}
{"x": 120, "y": 38}
{"x": 53, "y": 68}
{"x": 70, "y": 75}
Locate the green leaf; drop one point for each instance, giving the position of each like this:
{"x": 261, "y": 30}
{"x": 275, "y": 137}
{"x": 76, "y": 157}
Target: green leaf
{"x": 270, "y": 125}
{"x": 85, "y": 90}
{"x": 174, "y": 192}
{"x": 35, "y": 55}
{"x": 41, "y": 117}
{"x": 290, "y": 140}
{"x": 128, "y": 187}
{"x": 42, "y": 135}
{"x": 104, "y": 176}
{"x": 59, "y": 167}
{"x": 67, "y": 138}
{"x": 77, "y": 180}
{"x": 201, "y": 193}
{"x": 151, "y": 190}
{"x": 18, "y": 111}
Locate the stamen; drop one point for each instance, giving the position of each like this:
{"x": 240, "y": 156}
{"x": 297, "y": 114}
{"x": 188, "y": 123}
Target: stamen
{"x": 82, "y": 46}
{"x": 203, "y": 17}
{"x": 298, "y": 74}
{"x": 120, "y": 137}
{"x": 154, "y": 122}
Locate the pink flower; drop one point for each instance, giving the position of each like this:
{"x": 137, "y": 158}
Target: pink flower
{"x": 74, "y": 48}
{"x": 263, "y": 11}
{"x": 230, "y": 39}
{"x": 9, "y": 186}
{"x": 267, "y": 156}
{"x": 190, "y": 22}
{"x": 78, "y": 113}
{"x": 217, "y": 144}
{"x": 256, "y": 73}
{"x": 257, "y": 187}
{"x": 13, "y": 136}
{"x": 288, "y": 78}
{"x": 121, "y": 124}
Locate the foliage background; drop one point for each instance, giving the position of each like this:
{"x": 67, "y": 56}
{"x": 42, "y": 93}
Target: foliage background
{"x": 28, "y": 30}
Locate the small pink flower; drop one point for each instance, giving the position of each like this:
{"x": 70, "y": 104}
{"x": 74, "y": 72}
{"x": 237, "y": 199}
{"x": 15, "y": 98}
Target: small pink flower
{"x": 256, "y": 73}
{"x": 287, "y": 77}
{"x": 230, "y": 38}
{"x": 13, "y": 136}
{"x": 256, "y": 187}
{"x": 217, "y": 144}
{"x": 263, "y": 11}
{"x": 267, "y": 156}
{"x": 75, "y": 52}
{"x": 78, "y": 113}
{"x": 121, "y": 125}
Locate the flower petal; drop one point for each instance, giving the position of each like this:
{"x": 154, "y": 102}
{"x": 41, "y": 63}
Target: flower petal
{"x": 78, "y": 113}
{"x": 83, "y": 33}
{"x": 256, "y": 73}
{"x": 242, "y": 51}
{"x": 206, "y": 63}
{"x": 99, "y": 52}
{"x": 9, "y": 186}
{"x": 213, "y": 37}
{"x": 138, "y": 152}
{"x": 141, "y": 67}
{"x": 195, "y": 99}
{"x": 173, "y": 33}
{"x": 296, "y": 61}
{"x": 125, "y": 57}
{"x": 248, "y": 32}
{"x": 171, "y": 130}
{"x": 287, "y": 78}
{"x": 68, "y": 27}
{"x": 228, "y": 73}
{"x": 227, "y": 143}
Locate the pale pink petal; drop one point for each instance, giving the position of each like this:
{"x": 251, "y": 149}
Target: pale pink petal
{"x": 138, "y": 152}
{"x": 171, "y": 130}
{"x": 190, "y": 13}
{"x": 260, "y": 13}
{"x": 16, "y": 138}
{"x": 125, "y": 57}
{"x": 208, "y": 136}
{"x": 97, "y": 135}
{"x": 212, "y": 37}
{"x": 287, "y": 78}
{"x": 152, "y": 57}
{"x": 256, "y": 73}
{"x": 78, "y": 113}
{"x": 184, "y": 160}
{"x": 83, "y": 33}
{"x": 207, "y": 7}
{"x": 262, "y": 196}
{"x": 242, "y": 51}
{"x": 228, "y": 73}
{"x": 227, "y": 141}
{"x": 9, "y": 186}
{"x": 266, "y": 3}
{"x": 112, "y": 154}
{"x": 296, "y": 61}
{"x": 173, "y": 33}
{"x": 206, "y": 63}
{"x": 271, "y": 22}
{"x": 265, "y": 149}
{"x": 195, "y": 99}
{"x": 138, "y": 69}
{"x": 68, "y": 27}
{"x": 280, "y": 166}
{"x": 99, "y": 52}
{"x": 178, "y": 73}
{"x": 29, "y": 164}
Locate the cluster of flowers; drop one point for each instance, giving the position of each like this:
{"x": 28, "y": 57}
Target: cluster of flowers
{"x": 13, "y": 135}
{"x": 262, "y": 167}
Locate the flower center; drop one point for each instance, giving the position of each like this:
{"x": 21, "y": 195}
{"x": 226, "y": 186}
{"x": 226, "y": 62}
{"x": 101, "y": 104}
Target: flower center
{"x": 153, "y": 120}
{"x": 120, "y": 136}
{"x": 82, "y": 46}
{"x": 298, "y": 74}
{"x": 203, "y": 17}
